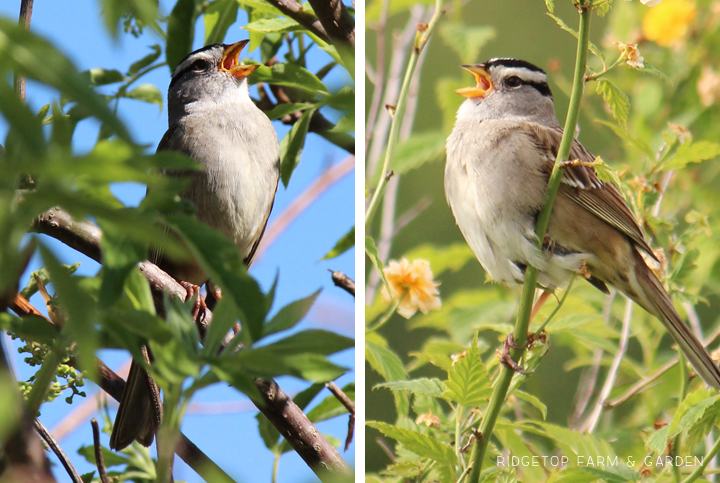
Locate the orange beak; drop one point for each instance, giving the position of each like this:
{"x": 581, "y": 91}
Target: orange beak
{"x": 229, "y": 61}
{"x": 483, "y": 82}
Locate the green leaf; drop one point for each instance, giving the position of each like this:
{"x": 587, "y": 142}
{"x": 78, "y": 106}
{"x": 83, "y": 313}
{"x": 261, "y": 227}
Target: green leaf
{"x": 343, "y": 244}
{"x": 270, "y": 363}
{"x": 314, "y": 341}
{"x": 180, "y": 32}
{"x": 637, "y": 143}
{"x": 692, "y": 153}
{"x": 292, "y": 145}
{"x": 372, "y": 253}
{"x": 290, "y": 315}
{"x": 269, "y": 434}
{"x": 286, "y": 74}
{"x": 273, "y": 25}
{"x": 284, "y": 109}
{"x": 466, "y": 41}
{"x": 222, "y": 261}
{"x": 218, "y": 18}
{"x": 345, "y": 124}
{"x": 110, "y": 458}
{"x": 137, "y": 66}
{"x": 225, "y": 315}
{"x": 468, "y": 381}
{"x": 550, "y": 5}
{"x": 593, "y": 48}
{"x": 427, "y": 387}
{"x": 342, "y": 100}
{"x": 420, "y": 444}
{"x": 616, "y": 99}
{"x": 449, "y": 257}
{"x": 648, "y": 68}
{"x": 37, "y": 59}
{"x": 146, "y": 93}
{"x": 100, "y": 77}
{"x": 331, "y": 407}
{"x": 533, "y": 401}
{"x": 26, "y": 128}
{"x": 386, "y": 363}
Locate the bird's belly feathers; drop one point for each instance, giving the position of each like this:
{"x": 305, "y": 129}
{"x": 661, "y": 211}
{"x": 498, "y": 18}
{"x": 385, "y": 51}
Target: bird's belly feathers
{"x": 495, "y": 213}
{"x": 236, "y": 190}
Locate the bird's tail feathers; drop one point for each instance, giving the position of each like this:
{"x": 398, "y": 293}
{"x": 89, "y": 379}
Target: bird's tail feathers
{"x": 658, "y": 302}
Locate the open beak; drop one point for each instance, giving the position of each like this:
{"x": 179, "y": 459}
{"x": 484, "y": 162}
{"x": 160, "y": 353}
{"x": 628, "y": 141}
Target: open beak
{"x": 229, "y": 61}
{"x": 482, "y": 80}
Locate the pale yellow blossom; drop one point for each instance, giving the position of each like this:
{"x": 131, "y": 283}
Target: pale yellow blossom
{"x": 708, "y": 86}
{"x": 633, "y": 57}
{"x": 413, "y": 284}
{"x": 650, "y": 3}
{"x": 669, "y": 22}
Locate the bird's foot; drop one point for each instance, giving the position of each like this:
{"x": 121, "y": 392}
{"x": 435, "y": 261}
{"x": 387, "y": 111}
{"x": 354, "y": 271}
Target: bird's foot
{"x": 507, "y": 360}
{"x": 199, "y": 308}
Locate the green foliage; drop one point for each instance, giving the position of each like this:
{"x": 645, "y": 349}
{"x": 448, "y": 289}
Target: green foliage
{"x": 661, "y": 155}
{"x": 116, "y": 308}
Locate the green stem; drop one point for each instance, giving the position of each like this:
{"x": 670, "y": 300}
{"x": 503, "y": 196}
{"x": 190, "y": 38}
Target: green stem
{"x": 559, "y": 305}
{"x": 699, "y": 469}
{"x": 169, "y": 433}
{"x": 421, "y": 40}
{"x": 458, "y": 438}
{"x": 43, "y": 379}
{"x": 683, "y": 392}
{"x": 523, "y": 321}
{"x": 386, "y": 316}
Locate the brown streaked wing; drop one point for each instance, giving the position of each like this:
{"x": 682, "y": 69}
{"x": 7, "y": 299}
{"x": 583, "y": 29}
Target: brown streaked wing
{"x": 603, "y": 199}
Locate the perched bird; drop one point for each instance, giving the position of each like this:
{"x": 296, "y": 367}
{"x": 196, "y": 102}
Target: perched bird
{"x": 212, "y": 119}
{"x": 499, "y": 159}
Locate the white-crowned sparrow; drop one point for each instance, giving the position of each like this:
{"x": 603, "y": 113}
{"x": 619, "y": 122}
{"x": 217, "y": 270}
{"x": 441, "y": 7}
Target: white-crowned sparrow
{"x": 499, "y": 158}
{"x": 212, "y": 119}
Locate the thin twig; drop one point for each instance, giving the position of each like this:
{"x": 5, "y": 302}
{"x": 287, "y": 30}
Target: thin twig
{"x": 59, "y": 453}
{"x": 379, "y": 78}
{"x": 344, "y": 282}
{"x": 26, "y": 9}
{"x": 589, "y": 376}
{"x": 349, "y": 405}
{"x": 645, "y": 383}
{"x": 99, "y": 461}
{"x": 392, "y": 89}
{"x": 592, "y": 421}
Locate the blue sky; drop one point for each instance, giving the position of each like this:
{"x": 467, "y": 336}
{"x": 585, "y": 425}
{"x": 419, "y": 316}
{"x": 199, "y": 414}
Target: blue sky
{"x": 231, "y": 440}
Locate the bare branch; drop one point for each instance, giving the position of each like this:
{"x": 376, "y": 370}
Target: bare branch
{"x": 99, "y": 461}
{"x": 26, "y": 8}
{"x": 55, "y": 447}
{"x": 344, "y": 282}
{"x": 337, "y": 21}
{"x": 349, "y": 405}
{"x": 306, "y": 440}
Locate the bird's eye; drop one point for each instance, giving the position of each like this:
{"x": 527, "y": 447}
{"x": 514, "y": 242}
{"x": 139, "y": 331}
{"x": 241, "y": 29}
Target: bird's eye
{"x": 199, "y": 65}
{"x": 513, "y": 82}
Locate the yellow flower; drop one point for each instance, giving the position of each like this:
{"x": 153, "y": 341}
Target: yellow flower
{"x": 413, "y": 284}
{"x": 668, "y": 22}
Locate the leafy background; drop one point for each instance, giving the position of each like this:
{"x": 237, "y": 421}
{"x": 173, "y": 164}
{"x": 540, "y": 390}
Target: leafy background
{"x": 686, "y": 228}
{"x": 80, "y": 33}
